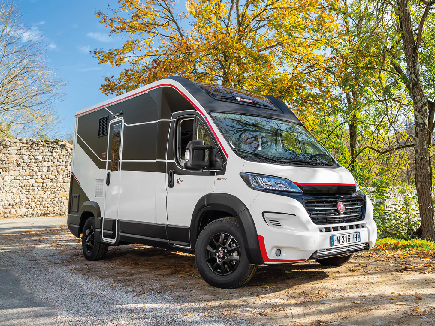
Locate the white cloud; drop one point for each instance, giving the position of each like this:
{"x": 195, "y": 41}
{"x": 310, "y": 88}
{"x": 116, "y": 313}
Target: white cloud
{"x": 100, "y": 37}
{"x": 85, "y": 48}
{"x": 32, "y": 34}
{"x": 42, "y": 22}
{"x": 52, "y": 46}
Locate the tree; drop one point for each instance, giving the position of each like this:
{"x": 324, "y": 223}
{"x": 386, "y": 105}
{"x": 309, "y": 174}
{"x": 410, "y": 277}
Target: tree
{"x": 27, "y": 87}
{"x": 271, "y": 46}
{"x": 371, "y": 103}
{"x": 411, "y": 32}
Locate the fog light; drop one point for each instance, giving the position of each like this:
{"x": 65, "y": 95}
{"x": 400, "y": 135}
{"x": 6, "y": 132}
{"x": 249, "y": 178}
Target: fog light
{"x": 278, "y": 252}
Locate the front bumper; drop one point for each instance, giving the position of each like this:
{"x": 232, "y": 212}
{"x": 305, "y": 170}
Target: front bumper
{"x": 287, "y": 234}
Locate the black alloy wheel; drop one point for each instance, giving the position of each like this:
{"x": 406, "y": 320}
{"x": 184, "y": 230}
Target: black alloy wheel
{"x": 89, "y": 236}
{"x": 220, "y": 255}
{"x": 93, "y": 248}
{"x": 223, "y": 253}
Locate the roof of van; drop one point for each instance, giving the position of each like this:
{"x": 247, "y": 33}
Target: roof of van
{"x": 213, "y": 98}
{"x": 216, "y": 98}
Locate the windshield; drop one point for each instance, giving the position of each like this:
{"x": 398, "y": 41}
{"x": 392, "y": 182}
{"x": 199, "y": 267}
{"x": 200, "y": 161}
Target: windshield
{"x": 268, "y": 140}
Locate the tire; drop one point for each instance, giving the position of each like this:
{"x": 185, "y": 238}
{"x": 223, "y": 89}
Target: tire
{"x": 334, "y": 261}
{"x": 93, "y": 249}
{"x": 220, "y": 255}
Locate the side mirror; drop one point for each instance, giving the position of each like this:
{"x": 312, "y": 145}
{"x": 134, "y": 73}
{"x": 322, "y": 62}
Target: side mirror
{"x": 197, "y": 155}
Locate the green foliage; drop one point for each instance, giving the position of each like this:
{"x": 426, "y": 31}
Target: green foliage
{"x": 400, "y": 244}
{"x": 395, "y": 210}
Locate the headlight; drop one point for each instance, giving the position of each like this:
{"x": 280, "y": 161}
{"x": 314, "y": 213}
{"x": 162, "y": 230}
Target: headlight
{"x": 268, "y": 183}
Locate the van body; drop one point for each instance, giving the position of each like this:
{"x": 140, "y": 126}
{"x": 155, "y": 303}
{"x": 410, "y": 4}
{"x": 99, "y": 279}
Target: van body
{"x": 231, "y": 176}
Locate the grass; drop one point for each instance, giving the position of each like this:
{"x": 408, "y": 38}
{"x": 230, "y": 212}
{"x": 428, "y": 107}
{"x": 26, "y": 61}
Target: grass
{"x": 399, "y": 244}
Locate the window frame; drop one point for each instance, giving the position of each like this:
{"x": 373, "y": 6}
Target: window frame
{"x": 177, "y": 147}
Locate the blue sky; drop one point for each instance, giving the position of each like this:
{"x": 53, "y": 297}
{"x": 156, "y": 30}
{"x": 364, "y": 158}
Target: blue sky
{"x": 69, "y": 30}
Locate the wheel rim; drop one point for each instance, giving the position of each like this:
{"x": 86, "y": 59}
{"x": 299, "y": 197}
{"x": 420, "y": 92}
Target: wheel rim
{"x": 89, "y": 239}
{"x": 223, "y": 254}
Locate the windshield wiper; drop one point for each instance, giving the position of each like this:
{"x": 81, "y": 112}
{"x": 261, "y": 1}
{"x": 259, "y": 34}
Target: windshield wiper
{"x": 306, "y": 162}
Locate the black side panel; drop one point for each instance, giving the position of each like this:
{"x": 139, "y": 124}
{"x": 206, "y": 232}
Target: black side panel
{"x": 179, "y": 234}
{"x": 156, "y": 231}
{"x": 77, "y": 197}
{"x": 128, "y": 238}
{"x": 139, "y": 141}
{"x": 233, "y": 206}
{"x": 162, "y": 138}
{"x": 174, "y": 101}
{"x": 144, "y": 166}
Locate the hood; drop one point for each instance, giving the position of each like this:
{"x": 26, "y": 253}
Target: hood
{"x": 312, "y": 180}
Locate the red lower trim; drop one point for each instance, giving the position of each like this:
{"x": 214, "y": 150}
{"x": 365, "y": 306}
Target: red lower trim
{"x": 269, "y": 260}
{"x": 151, "y": 88}
{"x": 75, "y": 177}
{"x": 325, "y": 184}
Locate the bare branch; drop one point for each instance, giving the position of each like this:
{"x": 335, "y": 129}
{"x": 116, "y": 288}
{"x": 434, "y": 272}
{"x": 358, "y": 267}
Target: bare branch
{"x": 27, "y": 87}
{"x": 386, "y": 151}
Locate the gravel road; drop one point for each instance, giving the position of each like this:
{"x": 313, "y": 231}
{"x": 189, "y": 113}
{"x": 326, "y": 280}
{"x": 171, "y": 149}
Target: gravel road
{"x": 46, "y": 281}
{"x": 37, "y": 290}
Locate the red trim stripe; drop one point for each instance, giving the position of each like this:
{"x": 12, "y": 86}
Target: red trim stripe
{"x": 269, "y": 260}
{"x": 75, "y": 178}
{"x": 151, "y": 88}
{"x": 325, "y": 184}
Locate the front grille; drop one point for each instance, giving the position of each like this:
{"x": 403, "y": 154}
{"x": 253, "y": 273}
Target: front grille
{"x": 325, "y": 211}
{"x": 339, "y": 251}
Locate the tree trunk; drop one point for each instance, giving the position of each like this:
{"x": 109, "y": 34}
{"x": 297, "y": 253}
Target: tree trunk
{"x": 423, "y": 177}
{"x": 353, "y": 131}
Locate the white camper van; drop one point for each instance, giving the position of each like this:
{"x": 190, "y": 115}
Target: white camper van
{"x": 233, "y": 177}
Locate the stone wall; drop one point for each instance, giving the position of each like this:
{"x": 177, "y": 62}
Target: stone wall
{"x": 34, "y": 177}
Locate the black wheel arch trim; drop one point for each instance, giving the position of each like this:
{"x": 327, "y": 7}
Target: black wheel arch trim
{"x": 93, "y": 208}
{"x": 235, "y": 207}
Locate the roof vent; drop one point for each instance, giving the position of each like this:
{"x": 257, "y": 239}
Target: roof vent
{"x": 237, "y": 96}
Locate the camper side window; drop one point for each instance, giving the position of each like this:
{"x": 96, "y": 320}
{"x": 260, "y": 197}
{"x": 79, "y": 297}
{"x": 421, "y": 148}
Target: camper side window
{"x": 115, "y": 146}
{"x": 189, "y": 129}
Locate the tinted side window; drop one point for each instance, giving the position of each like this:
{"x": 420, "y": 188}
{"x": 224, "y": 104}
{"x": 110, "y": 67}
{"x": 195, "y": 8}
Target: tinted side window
{"x": 115, "y": 146}
{"x": 189, "y": 129}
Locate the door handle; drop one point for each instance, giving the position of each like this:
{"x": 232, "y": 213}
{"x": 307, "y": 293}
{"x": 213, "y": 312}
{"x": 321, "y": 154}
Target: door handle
{"x": 108, "y": 178}
{"x": 171, "y": 179}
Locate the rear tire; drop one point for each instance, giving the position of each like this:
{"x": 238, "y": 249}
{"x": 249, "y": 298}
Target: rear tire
{"x": 334, "y": 261}
{"x": 93, "y": 248}
{"x": 220, "y": 255}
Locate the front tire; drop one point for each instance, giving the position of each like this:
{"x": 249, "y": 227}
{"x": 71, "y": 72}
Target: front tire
{"x": 93, "y": 249}
{"x": 220, "y": 255}
{"x": 334, "y": 261}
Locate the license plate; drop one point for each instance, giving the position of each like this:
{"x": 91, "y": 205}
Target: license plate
{"x": 343, "y": 239}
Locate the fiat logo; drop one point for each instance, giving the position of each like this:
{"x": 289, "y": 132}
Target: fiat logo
{"x": 340, "y": 207}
